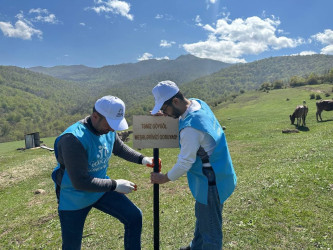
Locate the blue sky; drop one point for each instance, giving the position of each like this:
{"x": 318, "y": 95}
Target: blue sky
{"x": 107, "y": 32}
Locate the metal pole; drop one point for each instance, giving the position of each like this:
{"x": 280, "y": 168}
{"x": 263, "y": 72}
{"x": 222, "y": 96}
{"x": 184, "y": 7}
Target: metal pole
{"x": 156, "y": 203}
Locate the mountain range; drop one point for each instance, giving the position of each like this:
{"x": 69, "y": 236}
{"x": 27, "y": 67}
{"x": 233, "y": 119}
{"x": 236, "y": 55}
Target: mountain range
{"x": 184, "y": 69}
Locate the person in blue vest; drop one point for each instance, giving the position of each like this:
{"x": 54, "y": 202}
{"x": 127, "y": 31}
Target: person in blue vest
{"x": 83, "y": 152}
{"x": 204, "y": 156}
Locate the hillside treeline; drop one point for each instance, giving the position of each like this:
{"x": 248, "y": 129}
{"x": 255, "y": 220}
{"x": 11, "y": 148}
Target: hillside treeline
{"x": 297, "y": 81}
{"x": 216, "y": 87}
{"x": 31, "y": 102}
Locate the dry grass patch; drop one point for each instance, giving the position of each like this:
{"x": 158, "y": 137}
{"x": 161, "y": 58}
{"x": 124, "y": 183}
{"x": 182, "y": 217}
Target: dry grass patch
{"x": 26, "y": 170}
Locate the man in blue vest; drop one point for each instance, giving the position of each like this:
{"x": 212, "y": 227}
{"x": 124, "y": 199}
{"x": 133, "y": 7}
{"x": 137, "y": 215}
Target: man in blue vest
{"x": 83, "y": 152}
{"x": 204, "y": 156}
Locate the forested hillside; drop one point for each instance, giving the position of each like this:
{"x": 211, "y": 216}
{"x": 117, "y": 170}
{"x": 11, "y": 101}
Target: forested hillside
{"x": 31, "y": 101}
{"x": 251, "y": 75}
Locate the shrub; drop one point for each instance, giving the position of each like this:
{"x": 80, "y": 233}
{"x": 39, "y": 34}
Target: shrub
{"x": 313, "y": 81}
{"x": 327, "y": 94}
{"x": 265, "y": 86}
{"x": 312, "y": 96}
{"x": 318, "y": 97}
{"x": 278, "y": 85}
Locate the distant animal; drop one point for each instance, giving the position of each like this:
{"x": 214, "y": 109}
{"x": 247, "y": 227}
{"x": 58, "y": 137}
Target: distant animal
{"x": 300, "y": 113}
{"x": 326, "y": 105}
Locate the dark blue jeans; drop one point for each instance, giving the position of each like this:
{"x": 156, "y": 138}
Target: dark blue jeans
{"x": 208, "y": 228}
{"x": 112, "y": 203}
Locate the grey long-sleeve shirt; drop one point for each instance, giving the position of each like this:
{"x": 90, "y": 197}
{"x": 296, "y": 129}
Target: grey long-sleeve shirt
{"x": 73, "y": 156}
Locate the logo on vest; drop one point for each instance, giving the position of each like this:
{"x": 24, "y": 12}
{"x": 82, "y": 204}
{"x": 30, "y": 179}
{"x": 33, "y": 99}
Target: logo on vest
{"x": 102, "y": 151}
{"x": 103, "y": 157}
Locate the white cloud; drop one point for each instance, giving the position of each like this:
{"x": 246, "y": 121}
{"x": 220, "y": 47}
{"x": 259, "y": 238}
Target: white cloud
{"x": 162, "y": 58}
{"x": 229, "y": 40}
{"x": 166, "y": 44}
{"x": 39, "y": 11}
{"x": 50, "y": 19}
{"x": 145, "y": 56}
{"x": 22, "y": 30}
{"x": 158, "y": 16}
{"x": 208, "y": 2}
{"x": 82, "y": 24}
{"x": 305, "y": 53}
{"x": 46, "y": 19}
{"x": 198, "y": 21}
{"x": 166, "y": 17}
{"x": 148, "y": 56}
{"x": 43, "y": 15}
{"x": 327, "y": 50}
{"x": 325, "y": 38}
{"x": 114, "y": 6}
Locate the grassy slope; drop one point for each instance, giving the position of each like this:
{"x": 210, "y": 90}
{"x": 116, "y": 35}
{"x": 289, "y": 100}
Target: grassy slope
{"x": 283, "y": 199}
{"x": 284, "y": 195}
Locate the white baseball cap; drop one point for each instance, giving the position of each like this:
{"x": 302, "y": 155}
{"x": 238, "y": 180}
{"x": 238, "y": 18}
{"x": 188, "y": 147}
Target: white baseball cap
{"x": 162, "y": 92}
{"x": 113, "y": 109}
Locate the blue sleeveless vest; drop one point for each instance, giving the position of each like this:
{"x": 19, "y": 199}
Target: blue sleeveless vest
{"x": 205, "y": 121}
{"x": 99, "y": 150}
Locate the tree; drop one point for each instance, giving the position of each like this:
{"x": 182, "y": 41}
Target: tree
{"x": 296, "y": 81}
{"x": 5, "y": 129}
{"x": 312, "y": 79}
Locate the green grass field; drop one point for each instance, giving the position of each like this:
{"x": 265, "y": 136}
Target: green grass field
{"x": 283, "y": 200}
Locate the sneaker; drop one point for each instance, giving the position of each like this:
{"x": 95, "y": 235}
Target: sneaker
{"x": 185, "y": 248}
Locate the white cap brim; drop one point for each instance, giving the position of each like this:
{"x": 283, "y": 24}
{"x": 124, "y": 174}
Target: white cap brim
{"x": 118, "y": 125}
{"x": 157, "y": 108}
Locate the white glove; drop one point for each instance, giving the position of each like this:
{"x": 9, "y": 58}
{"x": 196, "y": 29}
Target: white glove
{"x": 125, "y": 186}
{"x": 147, "y": 161}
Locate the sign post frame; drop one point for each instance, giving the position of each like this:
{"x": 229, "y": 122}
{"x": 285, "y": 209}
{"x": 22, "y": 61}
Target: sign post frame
{"x": 155, "y": 132}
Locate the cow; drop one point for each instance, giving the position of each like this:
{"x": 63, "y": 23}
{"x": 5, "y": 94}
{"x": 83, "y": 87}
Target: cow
{"x": 300, "y": 113}
{"x": 326, "y": 105}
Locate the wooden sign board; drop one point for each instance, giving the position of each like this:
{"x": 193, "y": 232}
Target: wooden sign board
{"x": 155, "y": 132}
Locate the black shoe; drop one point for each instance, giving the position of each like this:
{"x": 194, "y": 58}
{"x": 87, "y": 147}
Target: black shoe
{"x": 185, "y": 248}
